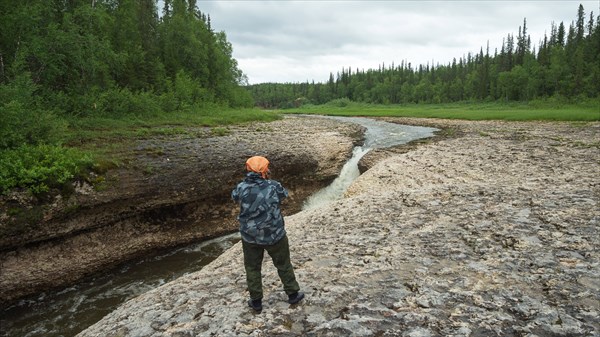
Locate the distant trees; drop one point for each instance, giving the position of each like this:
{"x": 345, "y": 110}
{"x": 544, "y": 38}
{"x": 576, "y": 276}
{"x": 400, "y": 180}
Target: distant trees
{"x": 566, "y": 64}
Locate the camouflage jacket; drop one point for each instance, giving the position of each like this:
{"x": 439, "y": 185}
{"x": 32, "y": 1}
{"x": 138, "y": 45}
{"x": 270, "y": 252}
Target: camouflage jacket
{"x": 260, "y": 218}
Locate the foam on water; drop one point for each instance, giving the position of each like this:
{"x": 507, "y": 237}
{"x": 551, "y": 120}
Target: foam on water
{"x": 336, "y": 189}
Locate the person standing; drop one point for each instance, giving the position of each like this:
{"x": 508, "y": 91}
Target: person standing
{"x": 262, "y": 229}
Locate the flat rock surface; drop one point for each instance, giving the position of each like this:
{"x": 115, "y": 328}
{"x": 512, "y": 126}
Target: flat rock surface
{"x": 494, "y": 233}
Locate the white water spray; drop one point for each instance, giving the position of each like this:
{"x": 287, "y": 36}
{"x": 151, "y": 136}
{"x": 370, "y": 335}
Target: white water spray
{"x": 378, "y": 135}
{"x": 336, "y": 189}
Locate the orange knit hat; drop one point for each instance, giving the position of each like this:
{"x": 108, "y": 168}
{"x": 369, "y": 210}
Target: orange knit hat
{"x": 258, "y": 164}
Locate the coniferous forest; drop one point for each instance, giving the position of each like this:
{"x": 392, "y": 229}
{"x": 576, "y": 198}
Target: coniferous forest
{"x": 67, "y": 61}
{"x": 115, "y": 56}
{"x": 565, "y": 65}
{"x": 67, "y": 65}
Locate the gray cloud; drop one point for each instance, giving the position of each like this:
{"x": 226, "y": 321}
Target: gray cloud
{"x": 296, "y": 41}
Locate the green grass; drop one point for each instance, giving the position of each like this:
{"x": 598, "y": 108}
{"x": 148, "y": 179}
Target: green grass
{"x": 538, "y": 110}
{"x": 103, "y": 130}
{"x": 96, "y": 143}
{"x": 104, "y": 137}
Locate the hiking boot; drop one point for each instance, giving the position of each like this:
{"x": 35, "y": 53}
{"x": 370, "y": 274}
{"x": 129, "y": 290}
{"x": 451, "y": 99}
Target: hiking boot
{"x": 255, "y": 304}
{"x": 295, "y": 297}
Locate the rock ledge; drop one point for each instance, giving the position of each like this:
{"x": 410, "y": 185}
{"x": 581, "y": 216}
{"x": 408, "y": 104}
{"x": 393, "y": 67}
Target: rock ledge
{"x": 494, "y": 233}
{"x": 174, "y": 190}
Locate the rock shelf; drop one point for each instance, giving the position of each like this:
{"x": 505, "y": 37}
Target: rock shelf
{"x": 170, "y": 191}
{"x": 493, "y": 233}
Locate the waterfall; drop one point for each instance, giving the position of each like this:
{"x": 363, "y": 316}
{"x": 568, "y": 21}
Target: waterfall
{"x": 336, "y": 189}
{"x": 378, "y": 135}
{"x": 70, "y": 310}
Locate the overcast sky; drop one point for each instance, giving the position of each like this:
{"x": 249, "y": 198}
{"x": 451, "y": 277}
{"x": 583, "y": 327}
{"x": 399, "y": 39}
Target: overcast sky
{"x": 298, "y": 41}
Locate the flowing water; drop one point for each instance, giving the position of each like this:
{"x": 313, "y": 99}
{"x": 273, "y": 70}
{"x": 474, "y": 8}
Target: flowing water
{"x": 71, "y": 310}
{"x": 378, "y": 135}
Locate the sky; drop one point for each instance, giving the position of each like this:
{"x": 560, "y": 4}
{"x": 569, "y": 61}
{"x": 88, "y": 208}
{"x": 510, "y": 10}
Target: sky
{"x": 298, "y": 41}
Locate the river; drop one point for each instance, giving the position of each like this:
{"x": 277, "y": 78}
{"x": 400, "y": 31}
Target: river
{"x": 69, "y": 311}
{"x": 378, "y": 135}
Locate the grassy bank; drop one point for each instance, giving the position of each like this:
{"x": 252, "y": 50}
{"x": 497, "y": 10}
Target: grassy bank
{"x": 93, "y": 144}
{"x": 537, "y": 110}
{"x": 101, "y": 131}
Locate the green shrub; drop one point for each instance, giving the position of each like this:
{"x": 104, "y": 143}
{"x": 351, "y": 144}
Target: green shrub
{"x": 41, "y": 167}
{"x": 240, "y": 98}
{"x": 340, "y": 102}
{"x": 22, "y": 119}
{"x": 28, "y": 125}
{"x": 188, "y": 92}
{"x": 21, "y": 90}
{"x": 122, "y": 102}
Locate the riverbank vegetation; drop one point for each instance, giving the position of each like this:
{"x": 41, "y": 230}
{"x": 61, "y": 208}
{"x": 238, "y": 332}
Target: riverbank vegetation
{"x": 75, "y": 71}
{"x": 80, "y": 78}
{"x": 55, "y": 149}
{"x": 563, "y": 68}
{"x": 548, "y": 110}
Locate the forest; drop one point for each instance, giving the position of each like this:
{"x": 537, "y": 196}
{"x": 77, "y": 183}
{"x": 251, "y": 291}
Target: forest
{"x": 62, "y": 61}
{"x": 110, "y": 57}
{"x": 81, "y": 72}
{"x": 565, "y": 66}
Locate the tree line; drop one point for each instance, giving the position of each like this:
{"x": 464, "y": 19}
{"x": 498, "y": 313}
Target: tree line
{"x": 114, "y": 57}
{"x": 62, "y": 61}
{"x": 565, "y": 65}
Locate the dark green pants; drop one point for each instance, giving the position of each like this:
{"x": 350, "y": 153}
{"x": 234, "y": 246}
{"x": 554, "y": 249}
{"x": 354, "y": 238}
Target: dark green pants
{"x": 280, "y": 254}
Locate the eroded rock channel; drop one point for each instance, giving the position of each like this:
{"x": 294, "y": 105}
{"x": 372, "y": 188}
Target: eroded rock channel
{"x": 493, "y": 233}
{"x": 172, "y": 191}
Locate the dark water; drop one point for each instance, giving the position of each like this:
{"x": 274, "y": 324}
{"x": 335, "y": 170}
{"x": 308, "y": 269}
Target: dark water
{"x": 72, "y": 310}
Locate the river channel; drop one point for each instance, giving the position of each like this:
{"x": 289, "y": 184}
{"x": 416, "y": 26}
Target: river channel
{"x": 71, "y": 310}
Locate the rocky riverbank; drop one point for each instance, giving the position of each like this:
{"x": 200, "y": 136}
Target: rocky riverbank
{"x": 170, "y": 191}
{"x": 493, "y": 233}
